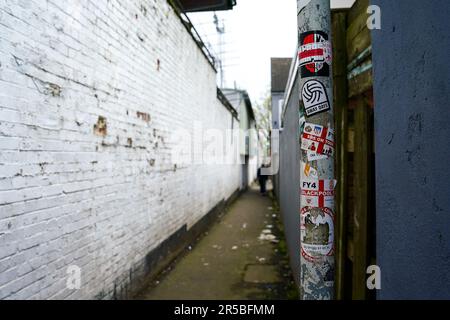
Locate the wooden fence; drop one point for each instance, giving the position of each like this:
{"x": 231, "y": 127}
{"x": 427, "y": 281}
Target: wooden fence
{"x": 355, "y": 199}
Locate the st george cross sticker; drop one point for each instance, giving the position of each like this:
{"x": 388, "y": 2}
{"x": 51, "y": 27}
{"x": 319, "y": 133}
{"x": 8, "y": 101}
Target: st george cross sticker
{"x": 318, "y": 139}
{"x": 318, "y": 193}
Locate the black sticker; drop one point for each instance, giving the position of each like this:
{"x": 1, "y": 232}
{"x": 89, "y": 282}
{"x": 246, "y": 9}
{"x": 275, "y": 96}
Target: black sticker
{"x": 315, "y": 98}
{"x": 315, "y": 54}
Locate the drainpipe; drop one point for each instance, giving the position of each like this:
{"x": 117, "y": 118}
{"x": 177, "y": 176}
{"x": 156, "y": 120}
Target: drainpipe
{"x": 317, "y": 180}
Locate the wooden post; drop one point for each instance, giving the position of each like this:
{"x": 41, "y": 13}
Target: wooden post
{"x": 339, "y": 27}
{"x": 362, "y": 178}
{"x": 317, "y": 189}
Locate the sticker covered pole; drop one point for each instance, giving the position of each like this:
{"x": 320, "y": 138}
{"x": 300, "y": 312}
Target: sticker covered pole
{"x": 317, "y": 180}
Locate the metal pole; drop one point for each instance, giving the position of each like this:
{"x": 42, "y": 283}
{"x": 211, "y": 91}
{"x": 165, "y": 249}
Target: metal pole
{"x": 317, "y": 180}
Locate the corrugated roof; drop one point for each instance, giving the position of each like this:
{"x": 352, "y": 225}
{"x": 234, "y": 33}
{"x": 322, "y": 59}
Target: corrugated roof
{"x": 235, "y": 96}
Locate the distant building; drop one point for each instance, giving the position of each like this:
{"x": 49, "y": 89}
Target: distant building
{"x": 279, "y": 76}
{"x": 248, "y": 139}
{"x": 280, "y": 70}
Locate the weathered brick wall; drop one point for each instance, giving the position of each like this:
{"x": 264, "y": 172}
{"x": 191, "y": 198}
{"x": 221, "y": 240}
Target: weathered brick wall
{"x": 89, "y": 94}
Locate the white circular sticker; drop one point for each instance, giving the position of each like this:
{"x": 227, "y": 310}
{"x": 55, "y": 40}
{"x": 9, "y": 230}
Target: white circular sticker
{"x": 317, "y": 232}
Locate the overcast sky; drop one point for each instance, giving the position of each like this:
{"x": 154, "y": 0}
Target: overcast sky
{"x": 255, "y": 31}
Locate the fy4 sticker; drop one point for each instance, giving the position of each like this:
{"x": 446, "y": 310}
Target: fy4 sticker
{"x": 317, "y": 193}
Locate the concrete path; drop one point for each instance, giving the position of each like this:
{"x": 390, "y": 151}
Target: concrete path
{"x": 242, "y": 256}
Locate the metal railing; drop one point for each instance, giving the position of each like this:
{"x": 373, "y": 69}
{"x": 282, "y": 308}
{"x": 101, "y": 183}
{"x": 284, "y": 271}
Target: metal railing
{"x": 193, "y": 32}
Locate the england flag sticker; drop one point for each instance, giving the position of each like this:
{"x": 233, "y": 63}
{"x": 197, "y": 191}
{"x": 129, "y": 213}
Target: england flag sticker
{"x": 318, "y": 139}
{"x": 318, "y": 193}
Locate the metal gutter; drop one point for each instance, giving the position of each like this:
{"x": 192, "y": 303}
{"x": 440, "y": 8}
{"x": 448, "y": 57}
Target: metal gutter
{"x": 227, "y": 103}
{"x": 293, "y": 73}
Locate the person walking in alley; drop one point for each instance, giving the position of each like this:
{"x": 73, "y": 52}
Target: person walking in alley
{"x": 262, "y": 179}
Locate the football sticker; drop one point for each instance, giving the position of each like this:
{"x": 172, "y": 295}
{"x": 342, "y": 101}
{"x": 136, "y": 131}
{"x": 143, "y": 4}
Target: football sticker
{"x": 315, "y": 54}
{"x": 316, "y": 231}
{"x": 318, "y": 139}
{"x": 315, "y": 98}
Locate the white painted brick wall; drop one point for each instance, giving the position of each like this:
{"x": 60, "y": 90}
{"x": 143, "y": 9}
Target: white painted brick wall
{"x": 68, "y": 196}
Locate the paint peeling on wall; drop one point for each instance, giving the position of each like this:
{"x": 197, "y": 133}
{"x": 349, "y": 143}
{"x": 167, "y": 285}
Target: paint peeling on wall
{"x": 100, "y": 128}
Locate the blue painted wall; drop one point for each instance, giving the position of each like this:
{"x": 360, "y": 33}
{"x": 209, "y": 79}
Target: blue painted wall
{"x": 412, "y": 126}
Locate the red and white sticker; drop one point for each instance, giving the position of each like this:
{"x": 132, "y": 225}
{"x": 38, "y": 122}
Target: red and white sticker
{"x": 318, "y": 139}
{"x": 316, "y": 232}
{"x": 317, "y": 193}
{"x": 315, "y": 54}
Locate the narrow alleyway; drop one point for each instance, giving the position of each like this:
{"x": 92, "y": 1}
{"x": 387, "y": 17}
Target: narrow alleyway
{"x": 242, "y": 256}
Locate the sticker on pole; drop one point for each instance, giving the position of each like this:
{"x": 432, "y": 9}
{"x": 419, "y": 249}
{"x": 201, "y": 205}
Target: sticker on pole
{"x": 309, "y": 171}
{"x": 318, "y": 139}
{"x": 317, "y": 193}
{"x": 316, "y": 231}
{"x": 315, "y": 54}
{"x": 315, "y": 98}
{"x": 312, "y": 156}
